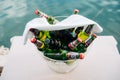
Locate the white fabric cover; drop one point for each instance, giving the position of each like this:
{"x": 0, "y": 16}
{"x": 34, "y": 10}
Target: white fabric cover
{"x": 72, "y": 21}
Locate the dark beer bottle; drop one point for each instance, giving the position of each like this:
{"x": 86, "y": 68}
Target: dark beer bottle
{"x": 35, "y": 32}
{"x": 39, "y": 44}
{"x": 55, "y": 34}
{"x": 79, "y": 29}
{"x": 40, "y": 35}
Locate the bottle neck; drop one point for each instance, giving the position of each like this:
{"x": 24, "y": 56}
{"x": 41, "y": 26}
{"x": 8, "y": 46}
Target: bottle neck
{"x": 36, "y": 32}
{"x": 79, "y": 29}
{"x": 89, "y": 29}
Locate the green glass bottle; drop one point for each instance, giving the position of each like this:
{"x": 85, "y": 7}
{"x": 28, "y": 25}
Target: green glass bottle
{"x": 52, "y": 55}
{"x": 72, "y": 45}
{"x": 50, "y": 19}
{"x": 83, "y": 46}
{"x": 65, "y": 55}
{"x": 85, "y": 34}
{"x": 59, "y": 55}
{"x": 90, "y": 40}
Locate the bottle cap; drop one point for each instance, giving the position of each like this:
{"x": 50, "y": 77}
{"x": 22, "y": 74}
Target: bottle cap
{"x": 82, "y": 55}
{"x": 31, "y": 29}
{"x": 33, "y": 40}
{"x": 68, "y": 55}
{"x": 76, "y": 11}
{"x": 94, "y": 35}
{"x": 79, "y": 39}
{"x": 37, "y": 12}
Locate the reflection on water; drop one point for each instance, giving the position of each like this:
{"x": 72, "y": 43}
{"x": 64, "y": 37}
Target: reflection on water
{"x": 15, "y": 14}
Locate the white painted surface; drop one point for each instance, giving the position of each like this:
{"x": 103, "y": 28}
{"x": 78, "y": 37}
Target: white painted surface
{"x": 101, "y": 63}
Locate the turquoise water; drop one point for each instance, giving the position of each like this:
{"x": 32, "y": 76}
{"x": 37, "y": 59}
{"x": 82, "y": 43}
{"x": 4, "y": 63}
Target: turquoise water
{"x": 14, "y": 14}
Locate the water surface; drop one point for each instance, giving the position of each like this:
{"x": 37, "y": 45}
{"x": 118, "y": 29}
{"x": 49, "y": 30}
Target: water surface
{"x": 14, "y": 14}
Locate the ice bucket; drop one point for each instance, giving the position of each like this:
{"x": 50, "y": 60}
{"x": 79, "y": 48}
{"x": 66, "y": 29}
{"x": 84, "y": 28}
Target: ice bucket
{"x": 61, "y": 66}
{"x": 73, "y": 21}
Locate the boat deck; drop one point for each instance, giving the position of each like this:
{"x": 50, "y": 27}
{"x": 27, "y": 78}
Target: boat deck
{"x": 102, "y": 62}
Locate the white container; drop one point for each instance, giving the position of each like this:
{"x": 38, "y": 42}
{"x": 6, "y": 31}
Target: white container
{"x": 61, "y": 66}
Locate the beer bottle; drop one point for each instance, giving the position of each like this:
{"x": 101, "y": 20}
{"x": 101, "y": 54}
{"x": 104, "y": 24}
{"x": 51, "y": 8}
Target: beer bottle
{"x": 50, "y": 19}
{"x": 90, "y": 40}
{"x": 36, "y": 32}
{"x": 74, "y": 43}
{"x": 83, "y": 46}
{"x": 65, "y": 55}
{"x": 56, "y": 55}
{"x": 85, "y": 34}
{"x": 40, "y": 35}
{"x": 39, "y": 44}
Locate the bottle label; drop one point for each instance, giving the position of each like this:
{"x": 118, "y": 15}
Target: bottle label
{"x": 39, "y": 44}
{"x": 73, "y": 55}
{"x": 73, "y": 44}
{"x": 89, "y": 41}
